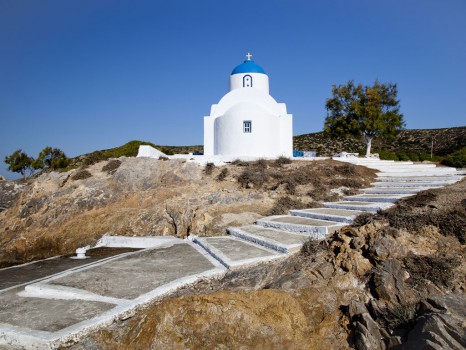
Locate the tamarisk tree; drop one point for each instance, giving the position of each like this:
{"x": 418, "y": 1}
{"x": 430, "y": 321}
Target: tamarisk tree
{"x": 356, "y": 111}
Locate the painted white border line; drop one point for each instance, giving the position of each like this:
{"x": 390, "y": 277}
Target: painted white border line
{"x": 41, "y": 340}
{"x": 231, "y": 264}
{"x": 265, "y": 241}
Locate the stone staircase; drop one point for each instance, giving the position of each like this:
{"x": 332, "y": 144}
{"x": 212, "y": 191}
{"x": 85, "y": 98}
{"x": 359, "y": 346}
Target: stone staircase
{"x": 45, "y": 311}
{"x": 287, "y": 233}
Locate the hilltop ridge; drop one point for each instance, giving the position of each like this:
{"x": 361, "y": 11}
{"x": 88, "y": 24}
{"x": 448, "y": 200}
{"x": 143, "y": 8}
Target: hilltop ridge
{"x": 445, "y": 141}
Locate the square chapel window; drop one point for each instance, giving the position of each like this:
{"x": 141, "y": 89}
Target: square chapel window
{"x": 247, "y": 126}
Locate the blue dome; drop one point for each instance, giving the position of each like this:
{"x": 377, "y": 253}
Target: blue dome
{"x": 248, "y": 67}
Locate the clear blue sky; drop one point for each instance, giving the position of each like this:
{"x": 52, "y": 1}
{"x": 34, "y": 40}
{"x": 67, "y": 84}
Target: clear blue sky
{"x": 86, "y": 75}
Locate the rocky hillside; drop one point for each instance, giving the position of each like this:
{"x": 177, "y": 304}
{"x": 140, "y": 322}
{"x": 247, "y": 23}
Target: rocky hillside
{"x": 394, "y": 280}
{"x": 56, "y": 212}
{"x": 445, "y": 142}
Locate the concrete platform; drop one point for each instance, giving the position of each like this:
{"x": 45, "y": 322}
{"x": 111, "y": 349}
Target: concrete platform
{"x": 389, "y": 198}
{"x": 371, "y": 207}
{"x": 46, "y": 314}
{"x": 233, "y": 252}
{"x": 316, "y": 229}
{"x": 279, "y": 240}
{"x": 338, "y": 215}
{"x": 19, "y": 275}
{"x": 148, "y": 270}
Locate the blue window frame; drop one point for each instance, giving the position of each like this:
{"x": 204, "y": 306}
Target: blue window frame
{"x": 247, "y": 126}
{"x": 247, "y": 81}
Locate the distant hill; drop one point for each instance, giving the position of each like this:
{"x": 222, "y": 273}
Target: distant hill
{"x": 414, "y": 144}
{"x": 445, "y": 142}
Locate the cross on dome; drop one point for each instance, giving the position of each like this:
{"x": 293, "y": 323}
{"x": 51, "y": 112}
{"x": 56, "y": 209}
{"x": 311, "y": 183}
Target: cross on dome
{"x": 248, "y": 56}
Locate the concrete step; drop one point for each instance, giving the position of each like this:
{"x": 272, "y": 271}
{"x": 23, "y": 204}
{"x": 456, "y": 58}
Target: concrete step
{"x": 428, "y": 184}
{"x": 371, "y": 207}
{"x": 232, "y": 252}
{"x": 337, "y": 215}
{"x": 279, "y": 240}
{"x": 417, "y": 172}
{"x": 314, "y": 228}
{"x": 393, "y": 190}
{"x": 447, "y": 179}
{"x": 406, "y": 166}
{"x": 388, "y": 198}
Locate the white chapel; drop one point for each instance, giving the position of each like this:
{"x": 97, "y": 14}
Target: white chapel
{"x": 248, "y": 122}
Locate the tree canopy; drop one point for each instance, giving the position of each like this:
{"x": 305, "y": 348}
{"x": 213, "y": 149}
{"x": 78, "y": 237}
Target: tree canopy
{"x": 52, "y": 158}
{"x": 20, "y": 162}
{"x": 356, "y": 111}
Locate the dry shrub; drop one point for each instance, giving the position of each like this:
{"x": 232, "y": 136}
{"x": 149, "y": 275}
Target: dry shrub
{"x": 350, "y": 192}
{"x": 223, "y": 174}
{"x": 321, "y": 194}
{"x": 280, "y": 161}
{"x": 283, "y": 204}
{"x": 239, "y": 162}
{"x": 310, "y": 248}
{"x": 111, "y": 166}
{"x": 209, "y": 168}
{"x": 421, "y": 199}
{"x": 363, "y": 219}
{"x": 400, "y": 316}
{"x": 450, "y": 222}
{"x": 252, "y": 178}
{"x": 163, "y": 158}
{"x": 260, "y": 163}
{"x": 345, "y": 170}
{"x": 81, "y": 175}
{"x": 437, "y": 269}
{"x": 351, "y": 183}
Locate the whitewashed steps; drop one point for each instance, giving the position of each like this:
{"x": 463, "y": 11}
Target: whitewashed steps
{"x": 389, "y": 198}
{"x": 393, "y": 190}
{"x": 418, "y": 172}
{"x": 446, "y": 179}
{"x": 316, "y": 229}
{"x": 403, "y": 168}
{"x": 337, "y": 215}
{"x": 279, "y": 240}
{"x": 411, "y": 184}
{"x": 232, "y": 252}
{"x": 371, "y": 207}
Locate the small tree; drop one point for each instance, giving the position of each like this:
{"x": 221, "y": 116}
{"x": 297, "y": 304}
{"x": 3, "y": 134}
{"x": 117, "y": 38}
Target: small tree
{"x": 356, "y": 111}
{"x": 53, "y": 158}
{"x": 20, "y": 162}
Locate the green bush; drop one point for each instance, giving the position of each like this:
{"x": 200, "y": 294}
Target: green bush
{"x": 129, "y": 149}
{"x": 456, "y": 160}
{"x": 386, "y": 155}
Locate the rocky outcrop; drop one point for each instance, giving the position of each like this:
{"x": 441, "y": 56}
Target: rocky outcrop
{"x": 54, "y": 213}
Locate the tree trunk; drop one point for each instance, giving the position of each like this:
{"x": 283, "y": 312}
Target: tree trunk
{"x": 368, "y": 141}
